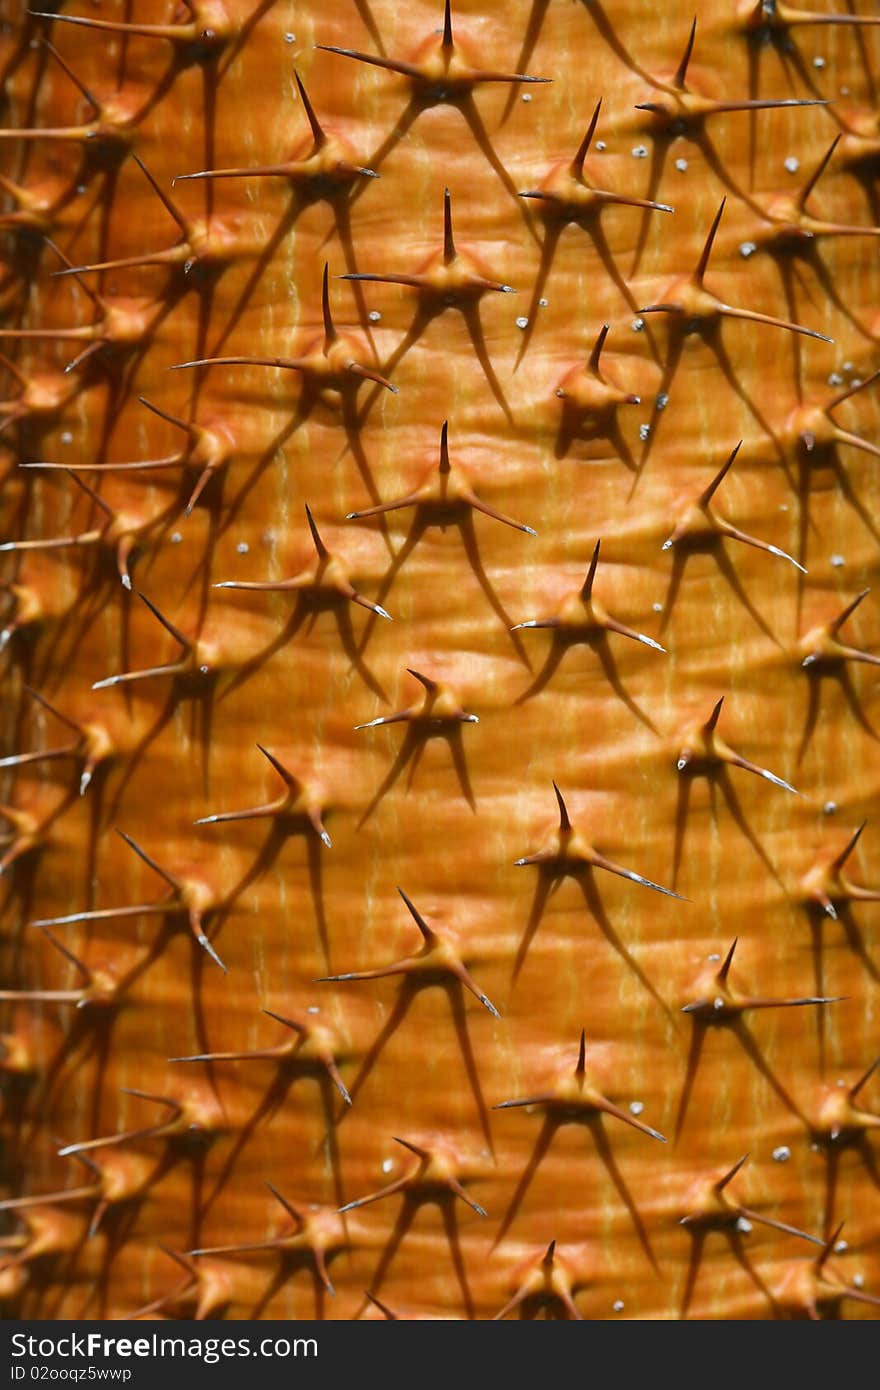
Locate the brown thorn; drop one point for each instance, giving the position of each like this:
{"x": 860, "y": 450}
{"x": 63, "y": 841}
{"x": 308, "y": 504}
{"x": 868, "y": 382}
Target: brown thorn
{"x": 383, "y": 1308}
{"x": 712, "y": 721}
{"x": 707, "y": 249}
{"x": 96, "y": 299}
{"x": 447, "y": 25}
{"x": 722, "y": 473}
{"x": 288, "y": 1207}
{"x": 426, "y": 681}
{"x": 329, "y": 330}
{"x": 725, "y": 969}
{"x": 288, "y": 1022}
{"x": 288, "y": 777}
{"x": 595, "y": 355}
{"x": 581, "y": 1068}
{"x": 68, "y": 954}
{"x": 577, "y": 164}
{"x": 444, "y": 448}
{"x": 587, "y": 589}
{"x": 417, "y": 917}
{"x": 392, "y": 65}
{"x": 93, "y": 102}
{"x": 168, "y": 626}
{"x": 47, "y": 704}
{"x": 819, "y": 171}
{"x": 852, "y": 390}
{"x": 160, "y": 194}
{"x": 828, "y": 1248}
{"x": 317, "y": 131}
{"x": 166, "y": 415}
{"x": 839, "y": 861}
{"x": 839, "y": 621}
{"x": 564, "y": 822}
{"x": 681, "y": 71}
{"x": 722, "y": 1182}
{"x": 413, "y": 1148}
{"x": 449, "y": 252}
{"x": 319, "y": 544}
{"x": 854, "y": 1090}
{"x": 90, "y": 492}
{"x": 142, "y": 854}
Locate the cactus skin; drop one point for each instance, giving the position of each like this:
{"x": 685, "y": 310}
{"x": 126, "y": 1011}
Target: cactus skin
{"x": 186, "y": 1119}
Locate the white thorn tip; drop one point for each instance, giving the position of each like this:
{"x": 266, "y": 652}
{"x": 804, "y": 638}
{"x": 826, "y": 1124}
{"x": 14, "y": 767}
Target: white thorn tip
{"x": 778, "y": 782}
{"x": 206, "y": 945}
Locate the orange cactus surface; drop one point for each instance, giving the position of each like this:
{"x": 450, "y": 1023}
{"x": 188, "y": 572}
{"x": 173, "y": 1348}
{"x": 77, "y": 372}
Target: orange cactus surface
{"x": 439, "y": 556}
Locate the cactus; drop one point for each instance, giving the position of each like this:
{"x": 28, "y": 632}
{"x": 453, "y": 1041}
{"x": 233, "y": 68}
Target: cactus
{"x": 369, "y": 951}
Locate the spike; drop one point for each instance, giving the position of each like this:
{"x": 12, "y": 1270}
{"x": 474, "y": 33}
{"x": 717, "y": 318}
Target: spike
{"x": 316, "y": 128}
{"x": 587, "y": 590}
{"x": 709, "y": 492}
{"x": 449, "y": 252}
{"x": 728, "y": 960}
{"x": 447, "y": 24}
{"x": 731, "y": 1172}
{"x": 706, "y": 252}
{"x": 680, "y": 78}
{"x": 564, "y": 822}
{"x": 712, "y": 721}
{"x": 577, "y": 164}
{"x": 329, "y": 330}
